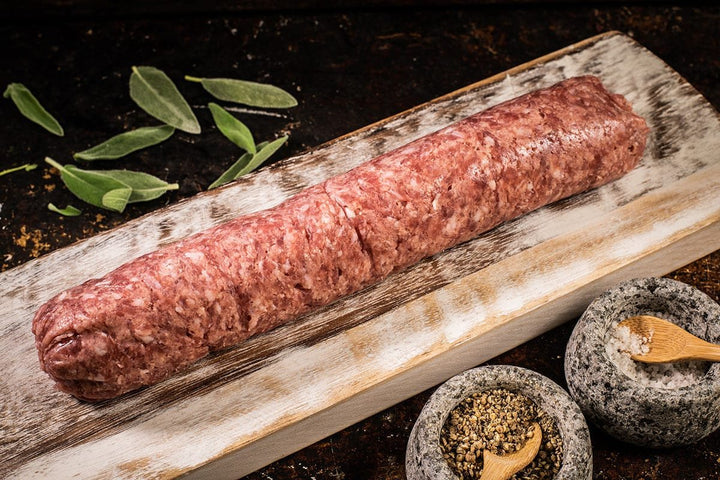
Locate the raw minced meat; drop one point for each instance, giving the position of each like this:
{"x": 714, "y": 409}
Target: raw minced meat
{"x": 153, "y": 316}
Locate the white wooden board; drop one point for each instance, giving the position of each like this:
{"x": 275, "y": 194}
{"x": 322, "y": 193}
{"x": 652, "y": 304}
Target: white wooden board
{"x": 239, "y": 410}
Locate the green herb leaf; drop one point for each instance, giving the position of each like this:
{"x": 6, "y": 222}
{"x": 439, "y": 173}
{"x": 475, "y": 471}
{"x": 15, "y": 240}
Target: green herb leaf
{"x": 232, "y": 128}
{"x": 144, "y": 186}
{"x": 155, "y": 93}
{"x": 126, "y": 143}
{"x": 231, "y": 173}
{"x": 27, "y": 167}
{"x": 249, "y": 162}
{"x": 88, "y": 185}
{"x": 111, "y": 189}
{"x": 262, "y": 155}
{"x": 68, "y": 211}
{"x": 248, "y": 93}
{"x": 117, "y": 199}
{"x": 31, "y": 108}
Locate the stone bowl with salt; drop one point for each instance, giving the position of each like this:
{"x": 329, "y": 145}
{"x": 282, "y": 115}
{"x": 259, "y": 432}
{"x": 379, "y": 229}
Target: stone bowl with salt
{"x": 485, "y": 408}
{"x": 654, "y": 405}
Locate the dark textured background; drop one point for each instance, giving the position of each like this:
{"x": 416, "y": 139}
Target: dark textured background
{"x": 349, "y": 64}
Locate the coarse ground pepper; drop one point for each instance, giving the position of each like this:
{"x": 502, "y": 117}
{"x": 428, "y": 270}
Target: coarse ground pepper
{"x": 500, "y": 421}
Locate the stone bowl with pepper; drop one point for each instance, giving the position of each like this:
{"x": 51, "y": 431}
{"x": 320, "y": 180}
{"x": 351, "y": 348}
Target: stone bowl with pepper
{"x": 492, "y": 408}
{"x": 654, "y": 405}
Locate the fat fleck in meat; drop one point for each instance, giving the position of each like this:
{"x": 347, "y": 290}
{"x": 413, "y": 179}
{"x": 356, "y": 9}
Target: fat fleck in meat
{"x": 155, "y": 315}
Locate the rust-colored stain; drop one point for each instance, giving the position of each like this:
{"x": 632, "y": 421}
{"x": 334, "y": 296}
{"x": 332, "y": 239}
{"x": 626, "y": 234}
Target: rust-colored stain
{"x": 136, "y": 466}
{"x": 145, "y": 467}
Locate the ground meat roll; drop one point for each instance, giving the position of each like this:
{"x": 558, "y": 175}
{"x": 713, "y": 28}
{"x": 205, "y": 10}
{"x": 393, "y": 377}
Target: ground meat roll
{"x": 155, "y": 315}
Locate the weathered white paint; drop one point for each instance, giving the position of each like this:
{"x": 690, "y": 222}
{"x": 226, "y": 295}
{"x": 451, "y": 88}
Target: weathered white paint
{"x": 297, "y": 384}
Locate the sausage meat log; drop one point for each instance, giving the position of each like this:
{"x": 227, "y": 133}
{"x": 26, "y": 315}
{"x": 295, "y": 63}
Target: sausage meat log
{"x": 155, "y": 315}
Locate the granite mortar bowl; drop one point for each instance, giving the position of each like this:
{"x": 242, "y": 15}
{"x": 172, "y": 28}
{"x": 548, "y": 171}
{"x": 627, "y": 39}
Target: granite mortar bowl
{"x": 424, "y": 459}
{"x": 636, "y": 412}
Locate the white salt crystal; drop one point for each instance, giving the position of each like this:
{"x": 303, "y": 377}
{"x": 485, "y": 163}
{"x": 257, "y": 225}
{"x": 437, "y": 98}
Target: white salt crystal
{"x": 631, "y": 342}
{"x": 623, "y": 343}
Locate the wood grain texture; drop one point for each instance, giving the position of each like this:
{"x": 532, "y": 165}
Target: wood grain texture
{"x": 243, "y": 408}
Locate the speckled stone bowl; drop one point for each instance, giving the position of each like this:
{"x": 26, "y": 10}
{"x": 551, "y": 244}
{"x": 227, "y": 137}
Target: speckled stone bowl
{"x": 424, "y": 460}
{"x": 627, "y": 410}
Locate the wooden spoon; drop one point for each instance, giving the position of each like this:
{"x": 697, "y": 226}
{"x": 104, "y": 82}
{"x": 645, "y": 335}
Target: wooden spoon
{"x": 668, "y": 342}
{"x": 502, "y": 467}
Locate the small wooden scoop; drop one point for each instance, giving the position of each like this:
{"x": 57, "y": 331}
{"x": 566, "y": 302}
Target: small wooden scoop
{"x": 668, "y": 342}
{"x": 502, "y": 467}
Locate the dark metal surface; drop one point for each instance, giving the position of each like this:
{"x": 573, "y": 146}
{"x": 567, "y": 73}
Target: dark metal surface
{"x": 348, "y": 66}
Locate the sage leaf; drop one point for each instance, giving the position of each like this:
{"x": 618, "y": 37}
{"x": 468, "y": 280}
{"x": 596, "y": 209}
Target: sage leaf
{"x": 117, "y": 199}
{"x": 127, "y": 143}
{"x": 68, "y": 211}
{"x": 27, "y": 167}
{"x": 144, "y": 186}
{"x": 262, "y": 155}
{"x": 155, "y": 93}
{"x": 30, "y": 107}
{"x": 245, "y": 92}
{"x": 232, "y": 128}
{"x": 231, "y": 173}
{"x": 111, "y": 189}
{"x": 88, "y": 185}
{"x": 249, "y": 162}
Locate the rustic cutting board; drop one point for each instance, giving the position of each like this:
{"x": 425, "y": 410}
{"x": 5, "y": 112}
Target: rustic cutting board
{"x": 241, "y": 409}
